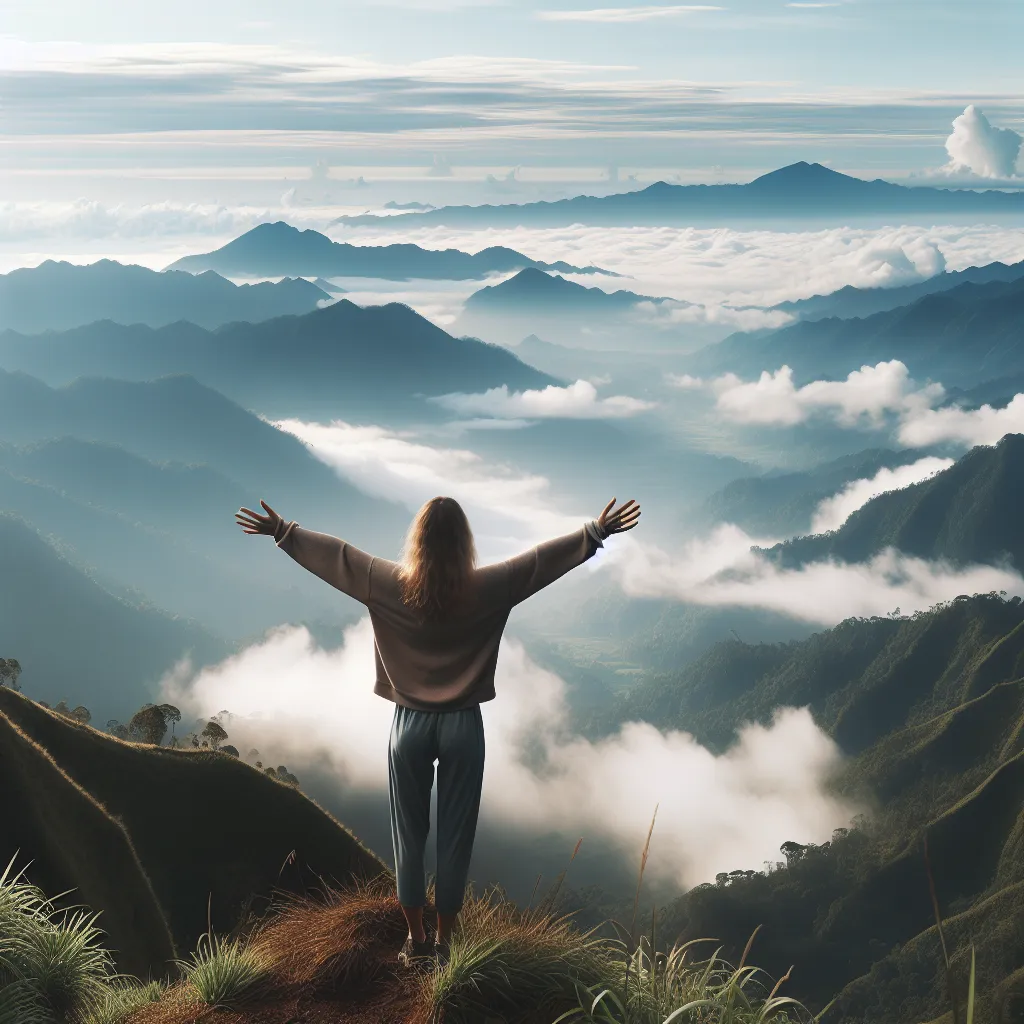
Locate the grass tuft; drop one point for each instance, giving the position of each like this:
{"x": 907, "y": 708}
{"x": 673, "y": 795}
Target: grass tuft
{"x": 224, "y": 972}
{"x": 658, "y": 988}
{"x": 513, "y": 964}
{"x": 120, "y": 999}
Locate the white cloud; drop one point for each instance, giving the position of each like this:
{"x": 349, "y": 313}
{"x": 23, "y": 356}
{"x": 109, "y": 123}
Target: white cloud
{"x": 833, "y": 512}
{"x": 979, "y": 147}
{"x": 575, "y": 401}
{"x": 968, "y": 427}
{"x": 684, "y": 381}
{"x": 671, "y": 313}
{"x": 618, "y": 15}
{"x": 866, "y": 396}
{"x": 312, "y": 708}
{"x": 824, "y": 593}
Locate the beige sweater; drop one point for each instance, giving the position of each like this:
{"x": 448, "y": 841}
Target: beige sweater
{"x": 440, "y": 665}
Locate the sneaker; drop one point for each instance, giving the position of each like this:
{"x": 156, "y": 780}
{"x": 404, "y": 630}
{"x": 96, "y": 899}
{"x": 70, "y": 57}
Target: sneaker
{"x": 442, "y": 954}
{"x": 414, "y": 953}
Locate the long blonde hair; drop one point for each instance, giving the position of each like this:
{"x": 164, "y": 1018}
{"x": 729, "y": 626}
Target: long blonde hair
{"x": 439, "y": 558}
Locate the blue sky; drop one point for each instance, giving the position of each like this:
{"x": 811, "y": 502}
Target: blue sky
{"x": 704, "y": 92}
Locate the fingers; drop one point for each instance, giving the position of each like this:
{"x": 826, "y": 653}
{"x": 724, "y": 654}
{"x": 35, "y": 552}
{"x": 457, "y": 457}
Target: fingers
{"x": 604, "y": 512}
{"x": 273, "y": 514}
{"x": 249, "y": 512}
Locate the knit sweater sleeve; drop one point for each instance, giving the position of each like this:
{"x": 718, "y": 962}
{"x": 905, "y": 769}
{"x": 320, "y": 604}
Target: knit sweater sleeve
{"x": 335, "y": 561}
{"x": 535, "y": 569}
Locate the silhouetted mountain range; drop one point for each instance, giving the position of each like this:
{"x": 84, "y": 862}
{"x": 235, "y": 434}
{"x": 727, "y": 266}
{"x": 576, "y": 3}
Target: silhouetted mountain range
{"x": 337, "y": 362}
{"x": 801, "y": 190}
{"x": 963, "y": 337}
{"x": 966, "y": 514}
{"x": 861, "y": 302}
{"x": 274, "y": 250}
{"x": 58, "y": 296}
{"x": 179, "y": 419}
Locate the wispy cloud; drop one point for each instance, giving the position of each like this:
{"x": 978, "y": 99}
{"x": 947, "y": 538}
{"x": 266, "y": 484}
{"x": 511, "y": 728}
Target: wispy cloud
{"x": 808, "y": 5}
{"x": 833, "y": 512}
{"x": 824, "y": 592}
{"x": 578, "y": 401}
{"x": 623, "y": 14}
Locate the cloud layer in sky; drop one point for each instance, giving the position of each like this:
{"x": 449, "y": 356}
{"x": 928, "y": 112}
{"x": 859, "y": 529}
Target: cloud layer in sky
{"x": 618, "y": 15}
{"x": 312, "y": 707}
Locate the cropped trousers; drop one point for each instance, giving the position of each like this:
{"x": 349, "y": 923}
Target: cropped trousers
{"x": 455, "y": 741}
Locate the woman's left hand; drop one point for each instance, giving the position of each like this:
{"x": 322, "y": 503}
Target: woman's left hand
{"x": 253, "y": 523}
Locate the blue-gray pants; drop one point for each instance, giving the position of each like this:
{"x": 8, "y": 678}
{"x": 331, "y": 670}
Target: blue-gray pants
{"x": 455, "y": 740}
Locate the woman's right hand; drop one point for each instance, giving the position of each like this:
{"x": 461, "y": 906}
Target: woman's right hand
{"x": 253, "y": 523}
{"x": 621, "y": 519}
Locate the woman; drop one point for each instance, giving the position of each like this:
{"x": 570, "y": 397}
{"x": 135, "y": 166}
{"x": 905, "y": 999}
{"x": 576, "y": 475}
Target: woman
{"x": 437, "y": 622}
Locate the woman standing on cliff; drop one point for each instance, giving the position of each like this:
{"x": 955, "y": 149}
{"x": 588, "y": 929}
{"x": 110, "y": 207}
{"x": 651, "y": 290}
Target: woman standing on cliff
{"x": 437, "y": 623}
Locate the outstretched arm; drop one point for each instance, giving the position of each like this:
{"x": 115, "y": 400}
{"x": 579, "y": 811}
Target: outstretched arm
{"x": 535, "y": 569}
{"x": 335, "y": 561}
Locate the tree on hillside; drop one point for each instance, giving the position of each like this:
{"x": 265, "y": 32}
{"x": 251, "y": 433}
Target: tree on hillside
{"x": 118, "y": 729}
{"x": 10, "y": 669}
{"x": 148, "y": 725}
{"x": 171, "y": 715}
{"x": 81, "y": 714}
{"x": 214, "y": 734}
{"x": 282, "y": 774}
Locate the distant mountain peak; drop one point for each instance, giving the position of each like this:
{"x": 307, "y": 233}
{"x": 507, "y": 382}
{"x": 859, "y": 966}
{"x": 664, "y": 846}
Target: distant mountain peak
{"x": 805, "y": 175}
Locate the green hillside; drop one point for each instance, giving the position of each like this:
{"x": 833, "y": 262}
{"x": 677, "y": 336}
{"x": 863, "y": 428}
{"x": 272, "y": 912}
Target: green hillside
{"x": 77, "y": 641}
{"x": 967, "y": 513}
{"x": 73, "y": 843}
{"x": 929, "y": 710}
{"x": 208, "y": 830}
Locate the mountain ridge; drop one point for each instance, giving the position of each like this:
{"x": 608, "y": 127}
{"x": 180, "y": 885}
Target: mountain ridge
{"x": 130, "y": 294}
{"x": 277, "y": 248}
{"x": 801, "y": 189}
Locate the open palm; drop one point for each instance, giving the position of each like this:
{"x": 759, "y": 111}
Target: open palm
{"x": 253, "y": 523}
{"x": 619, "y": 520}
